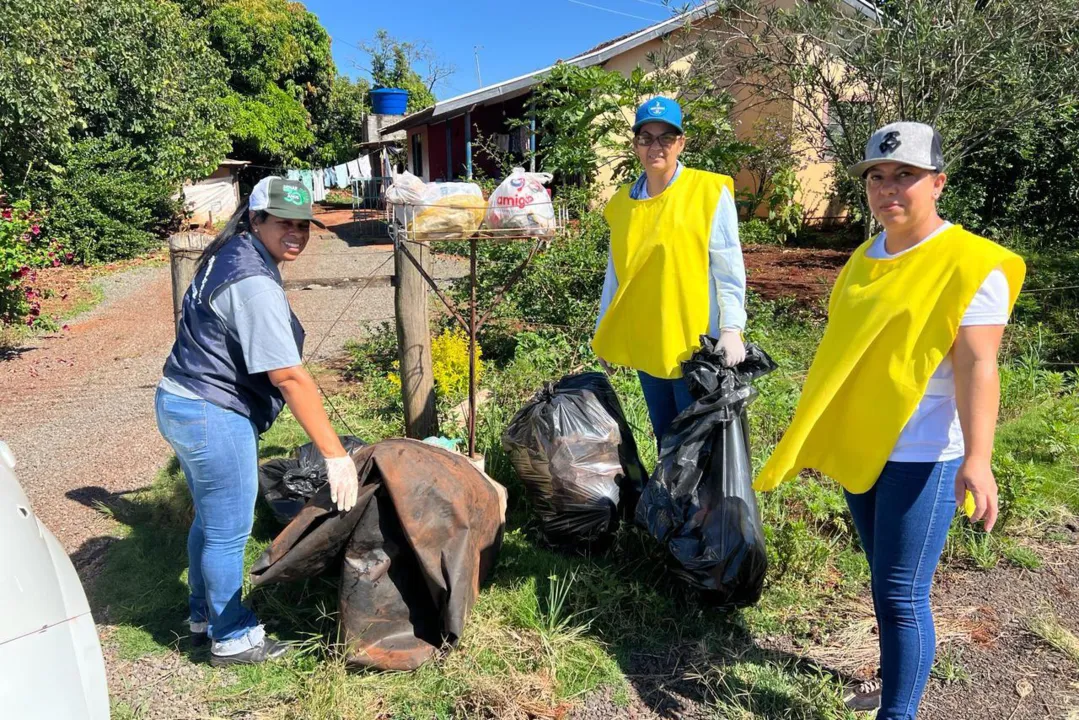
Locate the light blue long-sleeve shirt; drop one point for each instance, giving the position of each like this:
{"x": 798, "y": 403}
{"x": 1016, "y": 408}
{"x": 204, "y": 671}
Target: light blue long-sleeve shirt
{"x": 726, "y": 269}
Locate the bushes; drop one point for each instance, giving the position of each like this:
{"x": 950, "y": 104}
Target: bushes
{"x": 22, "y": 248}
{"x": 105, "y": 207}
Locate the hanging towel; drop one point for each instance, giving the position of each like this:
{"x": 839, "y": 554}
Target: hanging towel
{"x": 329, "y": 179}
{"x": 353, "y": 169}
{"x": 293, "y": 175}
{"x": 318, "y": 192}
{"x": 340, "y": 173}
{"x": 365, "y": 166}
{"x": 308, "y": 180}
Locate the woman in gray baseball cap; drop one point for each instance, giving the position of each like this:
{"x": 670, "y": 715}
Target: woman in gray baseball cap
{"x": 235, "y": 364}
{"x": 900, "y": 404}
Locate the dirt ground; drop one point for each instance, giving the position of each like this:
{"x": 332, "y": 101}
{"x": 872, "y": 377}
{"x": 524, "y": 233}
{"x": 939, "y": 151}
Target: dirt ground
{"x": 981, "y": 620}
{"x": 804, "y": 273}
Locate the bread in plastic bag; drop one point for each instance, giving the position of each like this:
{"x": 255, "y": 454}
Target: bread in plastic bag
{"x": 436, "y": 211}
{"x": 448, "y": 210}
{"x": 522, "y": 203}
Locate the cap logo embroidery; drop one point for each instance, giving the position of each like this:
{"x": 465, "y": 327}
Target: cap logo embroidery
{"x": 890, "y": 142}
{"x": 656, "y": 109}
{"x": 295, "y": 195}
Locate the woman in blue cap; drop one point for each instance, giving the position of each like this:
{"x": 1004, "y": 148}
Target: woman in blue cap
{"x": 675, "y": 270}
{"x": 234, "y": 365}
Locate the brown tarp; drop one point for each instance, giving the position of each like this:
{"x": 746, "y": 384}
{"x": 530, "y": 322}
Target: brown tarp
{"x": 423, "y": 535}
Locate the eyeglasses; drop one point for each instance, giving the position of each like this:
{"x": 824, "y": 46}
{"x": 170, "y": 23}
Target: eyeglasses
{"x": 665, "y": 140}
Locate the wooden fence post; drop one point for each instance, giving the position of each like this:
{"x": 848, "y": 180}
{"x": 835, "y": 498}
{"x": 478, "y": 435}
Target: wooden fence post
{"x": 184, "y": 251}
{"x": 414, "y": 343}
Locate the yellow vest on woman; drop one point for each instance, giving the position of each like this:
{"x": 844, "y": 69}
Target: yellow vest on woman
{"x": 659, "y": 249}
{"x": 890, "y": 324}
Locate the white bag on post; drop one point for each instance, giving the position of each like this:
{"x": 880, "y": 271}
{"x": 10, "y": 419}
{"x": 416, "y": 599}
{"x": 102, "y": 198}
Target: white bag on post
{"x": 436, "y": 211}
{"x": 522, "y": 203}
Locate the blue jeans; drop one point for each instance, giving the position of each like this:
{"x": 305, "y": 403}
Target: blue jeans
{"x": 218, "y": 452}
{"x": 665, "y": 400}
{"x": 903, "y": 522}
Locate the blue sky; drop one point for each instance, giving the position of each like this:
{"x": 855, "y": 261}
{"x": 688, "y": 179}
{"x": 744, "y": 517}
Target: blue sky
{"x": 514, "y": 37}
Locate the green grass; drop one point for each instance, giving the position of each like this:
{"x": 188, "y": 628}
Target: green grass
{"x": 550, "y": 628}
{"x": 949, "y": 667}
{"x": 1046, "y": 626}
{"x": 97, "y": 294}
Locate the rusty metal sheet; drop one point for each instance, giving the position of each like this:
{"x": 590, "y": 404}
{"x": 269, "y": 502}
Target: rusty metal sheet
{"x": 415, "y": 553}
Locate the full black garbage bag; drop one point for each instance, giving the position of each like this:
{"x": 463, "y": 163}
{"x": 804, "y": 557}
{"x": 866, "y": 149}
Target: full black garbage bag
{"x": 575, "y": 453}
{"x": 423, "y": 535}
{"x": 286, "y": 484}
{"x": 700, "y": 501}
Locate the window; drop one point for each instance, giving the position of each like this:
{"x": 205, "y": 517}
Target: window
{"x": 417, "y": 155}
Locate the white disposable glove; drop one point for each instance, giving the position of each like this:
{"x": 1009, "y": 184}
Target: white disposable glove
{"x": 344, "y": 483}
{"x": 734, "y": 350}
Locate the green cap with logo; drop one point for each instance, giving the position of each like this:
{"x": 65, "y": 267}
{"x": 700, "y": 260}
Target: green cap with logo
{"x": 288, "y": 199}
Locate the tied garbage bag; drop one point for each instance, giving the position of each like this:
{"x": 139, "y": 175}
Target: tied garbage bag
{"x": 424, "y": 533}
{"x": 286, "y": 484}
{"x": 700, "y": 501}
{"x": 575, "y": 453}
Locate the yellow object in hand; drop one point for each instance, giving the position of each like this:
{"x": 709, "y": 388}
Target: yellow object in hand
{"x": 968, "y": 505}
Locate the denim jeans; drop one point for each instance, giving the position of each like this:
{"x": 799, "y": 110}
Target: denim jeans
{"x": 903, "y": 522}
{"x": 665, "y": 400}
{"x": 218, "y": 452}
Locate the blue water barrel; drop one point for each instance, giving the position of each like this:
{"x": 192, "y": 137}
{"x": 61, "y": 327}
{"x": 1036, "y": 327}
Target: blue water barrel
{"x": 389, "y": 101}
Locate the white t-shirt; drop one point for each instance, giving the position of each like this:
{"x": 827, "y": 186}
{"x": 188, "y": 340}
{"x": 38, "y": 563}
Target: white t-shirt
{"x": 933, "y": 433}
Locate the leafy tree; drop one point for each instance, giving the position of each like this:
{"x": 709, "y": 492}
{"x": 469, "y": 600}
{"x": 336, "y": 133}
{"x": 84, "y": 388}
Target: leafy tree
{"x": 584, "y": 121}
{"x": 393, "y": 64}
{"x": 981, "y": 72}
{"x": 280, "y": 70}
{"x": 37, "y": 41}
{"x": 271, "y": 127}
{"x": 339, "y": 121}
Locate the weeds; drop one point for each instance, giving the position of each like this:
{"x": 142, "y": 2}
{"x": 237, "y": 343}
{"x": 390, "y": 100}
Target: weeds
{"x": 949, "y": 667}
{"x": 1046, "y": 626}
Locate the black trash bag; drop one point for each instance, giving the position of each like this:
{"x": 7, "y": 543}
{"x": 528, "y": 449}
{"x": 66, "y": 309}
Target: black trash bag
{"x": 575, "y": 453}
{"x": 700, "y": 501}
{"x": 286, "y": 484}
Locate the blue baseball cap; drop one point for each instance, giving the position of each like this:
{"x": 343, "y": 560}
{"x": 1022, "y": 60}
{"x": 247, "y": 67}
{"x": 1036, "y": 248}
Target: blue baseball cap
{"x": 659, "y": 109}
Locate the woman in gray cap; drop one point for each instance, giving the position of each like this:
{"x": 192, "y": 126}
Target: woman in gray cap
{"x": 234, "y": 365}
{"x": 900, "y": 404}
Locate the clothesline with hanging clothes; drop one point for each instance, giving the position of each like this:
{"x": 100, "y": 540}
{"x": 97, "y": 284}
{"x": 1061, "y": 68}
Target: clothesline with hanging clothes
{"x": 319, "y": 180}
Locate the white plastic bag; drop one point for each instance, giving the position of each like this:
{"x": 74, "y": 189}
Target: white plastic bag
{"x": 407, "y": 189}
{"x": 522, "y": 203}
{"x": 436, "y": 211}
{"x": 448, "y": 211}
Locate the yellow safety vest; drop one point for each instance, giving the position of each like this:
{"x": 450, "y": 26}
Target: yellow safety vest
{"x": 890, "y": 324}
{"x": 659, "y": 248}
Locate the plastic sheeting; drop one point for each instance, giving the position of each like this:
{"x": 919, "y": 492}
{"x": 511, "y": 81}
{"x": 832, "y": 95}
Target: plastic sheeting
{"x": 700, "y": 501}
{"x": 423, "y": 535}
{"x": 286, "y": 484}
{"x": 575, "y": 453}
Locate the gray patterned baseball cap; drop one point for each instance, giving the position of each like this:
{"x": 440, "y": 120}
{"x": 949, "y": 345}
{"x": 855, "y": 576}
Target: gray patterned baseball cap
{"x": 910, "y": 143}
